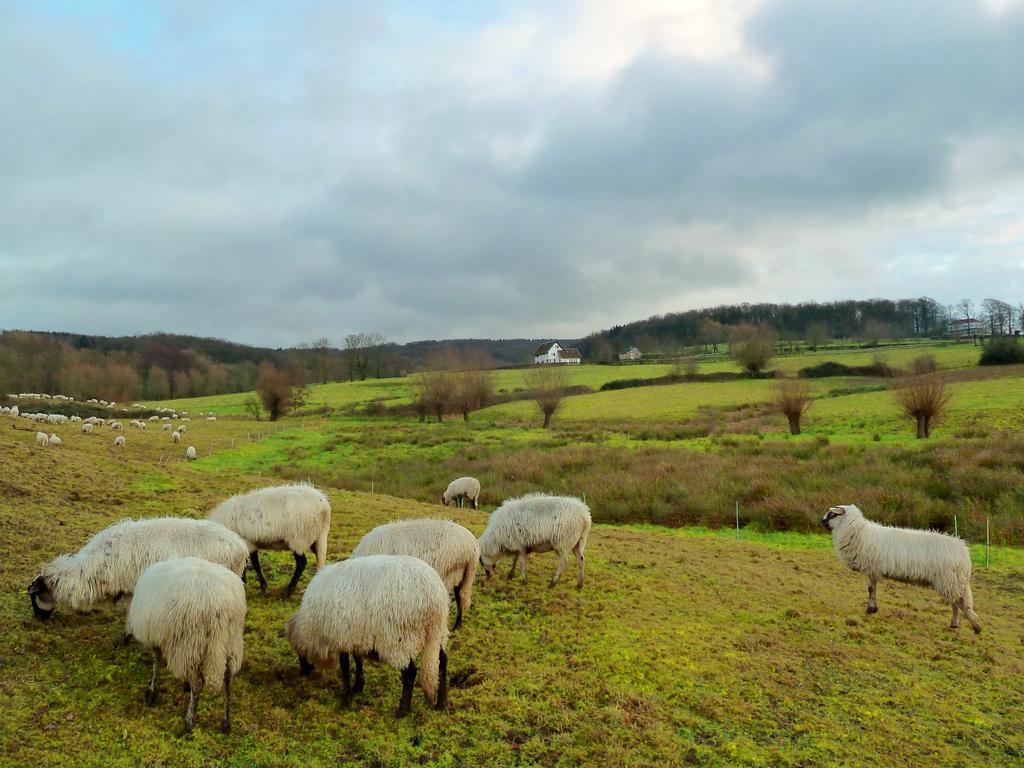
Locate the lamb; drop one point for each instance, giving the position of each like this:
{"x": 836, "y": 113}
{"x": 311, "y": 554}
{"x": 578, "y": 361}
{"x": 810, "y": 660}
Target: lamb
{"x": 42, "y": 439}
{"x": 294, "y": 517}
{"x": 109, "y": 564}
{"x": 191, "y": 612}
{"x": 54, "y": 440}
{"x": 447, "y": 547}
{"x": 387, "y": 607}
{"x": 460, "y": 490}
{"x": 925, "y": 558}
{"x": 536, "y": 522}
{"x": 176, "y": 437}
{"x": 120, "y": 441}
{"x": 87, "y": 428}
{"x": 190, "y": 453}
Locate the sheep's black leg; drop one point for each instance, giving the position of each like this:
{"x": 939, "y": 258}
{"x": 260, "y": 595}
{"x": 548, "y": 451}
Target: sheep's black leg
{"x": 515, "y": 562}
{"x": 872, "y": 584}
{"x": 123, "y": 640}
{"x": 442, "y": 682}
{"x": 300, "y": 566}
{"x": 193, "y": 705}
{"x": 458, "y": 609}
{"x": 358, "y": 687}
{"x": 225, "y": 725}
{"x": 151, "y": 693}
{"x": 408, "y": 680}
{"x": 346, "y": 681}
{"x": 254, "y": 560}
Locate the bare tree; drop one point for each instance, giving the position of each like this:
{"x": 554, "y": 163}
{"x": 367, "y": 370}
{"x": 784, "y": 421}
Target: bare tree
{"x": 438, "y": 392}
{"x": 924, "y": 398}
{"x": 752, "y": 347}
{"x": 473, "y": 390}
{"x": 793, "y": 400}
{"x": 548, "y": 384}
{"x": 321, "y": 351}
{"x": 817, "y": 335}
{"x": 274, "y": 388}
{"x": 965, "y": 307}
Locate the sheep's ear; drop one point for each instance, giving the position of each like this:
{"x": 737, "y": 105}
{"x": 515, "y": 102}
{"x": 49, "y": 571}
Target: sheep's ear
{"x": 38, "y": 586}
{"x": 837, "y": 511}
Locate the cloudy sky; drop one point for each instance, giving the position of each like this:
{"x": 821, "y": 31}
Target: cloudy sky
{"x": 273, "y": 172}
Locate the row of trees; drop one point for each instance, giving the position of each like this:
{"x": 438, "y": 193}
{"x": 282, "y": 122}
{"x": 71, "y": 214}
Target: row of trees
{"x": 454, "y": 384}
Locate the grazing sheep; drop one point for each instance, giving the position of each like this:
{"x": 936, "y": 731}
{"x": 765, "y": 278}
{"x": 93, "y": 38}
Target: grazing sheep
{"x": 116, "y": 425}
{"x": 120, "y": 441}
{"x": 110, "y": 563}
{"x": 76, "y": 419}
{"x": 925, "y": 558}
{"x": 176, "y": 437}
{"x": 293, "y": 517}
{"x": 211, "y": 418}
{"x": 191, "y": 612}
{"x": 536, "y": 522}
{"x": 387, "y": 607}
{"x": 190, "y": 453}
{"x": 54, "y": 440}
{"x": 447, "y": 547}
{"x": 460, "y": 490}
{"x": 42, "y": 439}
{"x": 166, "y": 427}
{"x": 183, "y": 428}
{"x": 87, "y": 428}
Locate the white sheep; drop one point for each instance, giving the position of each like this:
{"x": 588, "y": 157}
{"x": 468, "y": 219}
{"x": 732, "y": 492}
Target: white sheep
{"x": 460, "y": 490}
{"x": 183, "y": 428}
{"x": 536, "y": 522}
{"x": 87, "y": 428}
{"x": 211, "y": 418}
{"x": 42, "y": 439}
{"x": 191, "y": 612}
{"x": 76, "y": 419}
{"x": 190, "y": 453}
{"x": 120, "y": 441}
{"x": 109, "y": 564}
{"x": 292, "y": 517}
{"x": 389, "y": 607}
{"x": 176, "y": 437}
{"x": 925, "y": 558}
{"x": 115, "y": 425}
{"x": 166, "y": 427}
{"x": 54, "y": 440}
{"x": 446, "y": 546}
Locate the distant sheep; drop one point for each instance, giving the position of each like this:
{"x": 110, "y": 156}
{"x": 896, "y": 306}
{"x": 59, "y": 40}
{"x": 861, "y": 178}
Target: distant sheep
{"x": 460, "y": 490}
{"x": 190, "y": 453}
{"x": 109, "y": 564}
{"x": 390, "y": 607}
{"x": 119, "y": 441}
{"x": 447, "y": 547}
{"x": 42, "y": 439}
{"x": 536, "y": 522}
{"x": 54, "y": 440}
{"x": 116, "y": 425}
{"x": 925, "y": 558}
{"x": 191, "y": 612}
{"x": 176, "y": 437}
{"x": 166, "y": 427}
{"x": 292, "y": 517}
{"x": 87, "y": 428}
{"x": 183, "y": 428}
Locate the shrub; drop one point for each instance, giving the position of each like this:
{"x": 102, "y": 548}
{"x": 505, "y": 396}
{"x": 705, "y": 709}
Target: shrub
{"x": 923, "y": 398}
{"x": 793, "y": 399}
{"x": 1002, "y": 350}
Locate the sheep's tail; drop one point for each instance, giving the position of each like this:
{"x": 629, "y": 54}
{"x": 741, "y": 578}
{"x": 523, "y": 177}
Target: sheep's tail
{"x": 321, "y": 541}
{"x": 583, "y": 536}
{"x": 430, "y": 660}
{"x": 466, "y": 585}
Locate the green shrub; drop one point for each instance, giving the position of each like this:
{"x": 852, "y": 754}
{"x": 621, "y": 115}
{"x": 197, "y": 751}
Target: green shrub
{"x": 1002, "y": 350}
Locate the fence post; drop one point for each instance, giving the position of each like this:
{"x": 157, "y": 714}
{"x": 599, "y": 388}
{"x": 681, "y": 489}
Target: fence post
{"x": 988, "y": 544}
{"x": 371, "y": 486}
{"x": 737, "y": 520}
{"x": 956, "y": 531}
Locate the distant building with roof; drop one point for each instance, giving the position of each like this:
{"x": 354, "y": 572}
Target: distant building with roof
{"x": 630, "y": 354}
{"x": 553, "y": 353}
{"x": 967, "y": 328}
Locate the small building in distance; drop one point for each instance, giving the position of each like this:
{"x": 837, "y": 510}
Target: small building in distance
{"x": 967, "y": 328}
{"x": 630, "y": 354}
{"x": 553, "y": 353}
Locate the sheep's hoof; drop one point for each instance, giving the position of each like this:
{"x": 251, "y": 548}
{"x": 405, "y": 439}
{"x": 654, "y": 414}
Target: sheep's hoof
{"x": 186, "y": 730}
{"x": 977, "y": 630}
{"x": 551, "y": 584}
{"x": 346, "y": 701}
{"x": 225, "y": 726}
{"x": 872, "y": 609}
{"x": 402, "y": 712}
{"x": 150, "y": 698}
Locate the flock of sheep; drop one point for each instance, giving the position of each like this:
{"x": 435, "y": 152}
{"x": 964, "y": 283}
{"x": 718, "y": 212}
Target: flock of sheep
{"x": 91, "y": 424}
{"x": 389, "y": 601}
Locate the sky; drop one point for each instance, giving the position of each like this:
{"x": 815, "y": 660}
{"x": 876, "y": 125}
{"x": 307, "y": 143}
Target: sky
{"x": 275, "y": 172}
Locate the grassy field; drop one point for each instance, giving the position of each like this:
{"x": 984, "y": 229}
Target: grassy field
{"x": 684, "y": 647}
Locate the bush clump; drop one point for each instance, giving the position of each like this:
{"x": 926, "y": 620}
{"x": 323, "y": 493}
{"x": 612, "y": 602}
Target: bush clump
{"x": 1003, "y": 350}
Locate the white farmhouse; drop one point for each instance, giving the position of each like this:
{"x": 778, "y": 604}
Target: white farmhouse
{"x": 553, "y": 353}
{"x": 631, "y": 354}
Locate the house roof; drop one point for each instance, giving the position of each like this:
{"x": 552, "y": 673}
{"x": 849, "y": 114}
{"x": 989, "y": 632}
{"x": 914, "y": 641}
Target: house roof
{"x": 543, "y": 349}
{"x": 571, "y": 353}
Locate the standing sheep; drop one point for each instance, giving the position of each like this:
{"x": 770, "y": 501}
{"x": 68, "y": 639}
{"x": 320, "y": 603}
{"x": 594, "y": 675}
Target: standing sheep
{"x": 447, "y": 547}
{"x": 110, "y": 563}
{"x": 191, "y": 612}
{"x": 925, "y": 558}
{"x": 54, "y": 440}
{"x": 119, "y": 441}
{"x": 190, "y": 453}
{"x": 175, "y": 437}
{"x": 42, "y": 439}
{"x": 293, "y": 517}
{"x": 460, "y": 490}
{"x": 87, "y": 428}
{"x": 388, "y": 607}
{"x": 536, "y": 522}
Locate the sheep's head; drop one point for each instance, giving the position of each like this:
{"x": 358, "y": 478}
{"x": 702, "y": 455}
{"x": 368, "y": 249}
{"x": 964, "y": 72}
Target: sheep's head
{"x": 444, "y": 501}
{"x": 42, "y": 598}
{"x": 836, "y": 516}
{"x": 489, "y": 563}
